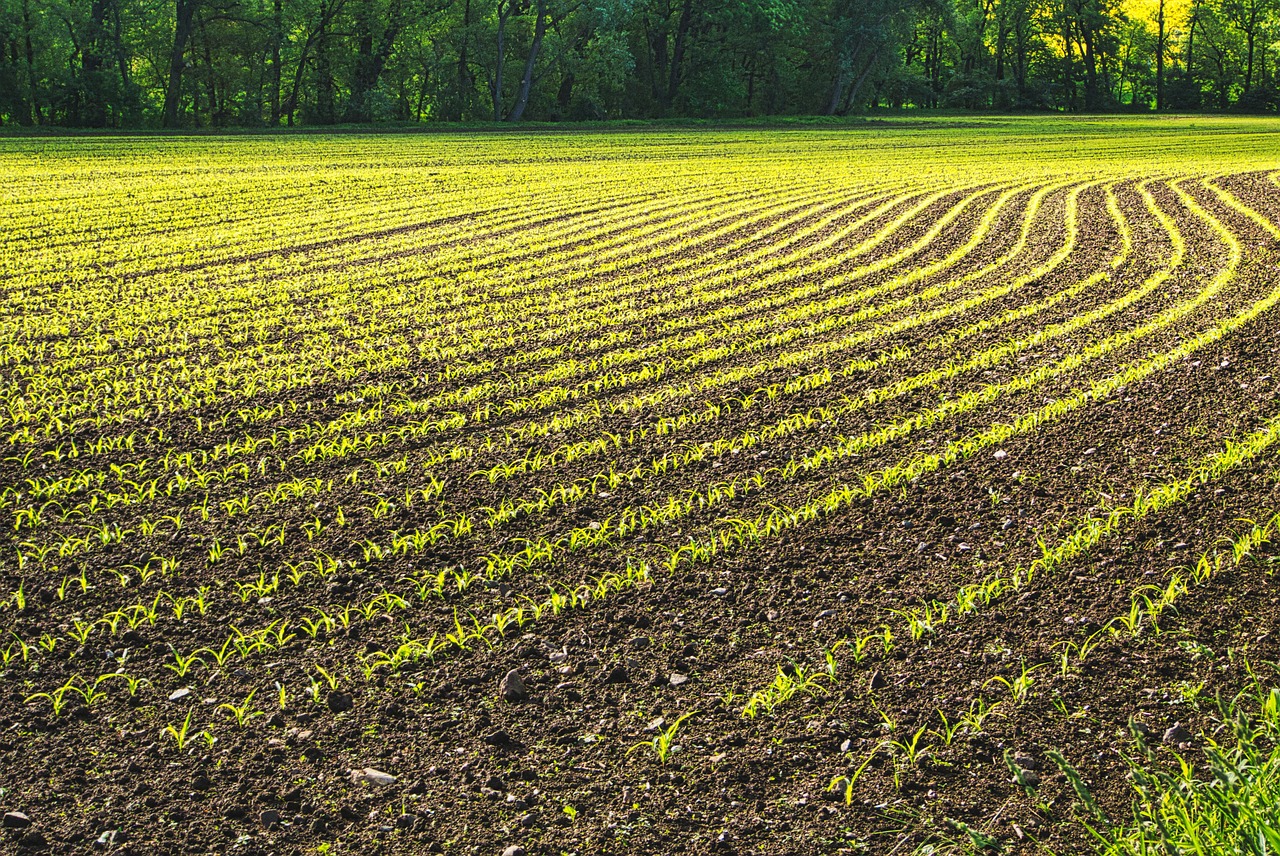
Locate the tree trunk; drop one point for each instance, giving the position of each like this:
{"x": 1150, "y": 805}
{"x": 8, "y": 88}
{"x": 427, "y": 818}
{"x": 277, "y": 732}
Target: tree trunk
{"x": 94, "y": 113}
{"x": 677, "y": 52}
{"x": 1092, "y": 96}
{"x": 852, "y": 96}
{"x": 526, "y": 80}
{"x": 277, "y": 41}
{"x": 36, "y": 116}
{"x": 564, "y": 95}
{"x": 658, "y": 69}
{"x": 1160, "y": 48}
{"x": 1191, "y": 41}
{"x": 185, "y": 17}
{"x": 501, "y": 58}
{"x": 466, "y": 84}
{"x": 1250, "y": 38}
{"x": 371, "y": 59}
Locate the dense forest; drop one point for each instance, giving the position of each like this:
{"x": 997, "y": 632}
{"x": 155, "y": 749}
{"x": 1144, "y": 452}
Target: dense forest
{"x": 255, "y": 63}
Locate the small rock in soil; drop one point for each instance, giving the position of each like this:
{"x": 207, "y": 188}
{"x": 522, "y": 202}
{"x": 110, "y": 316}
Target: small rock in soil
{"x": 109, "y": 838}
{"x": 617, "y": 675}
{"x": 405, "y": 822}
{"x": 178, "y": 695}
{"x": 498, "y": 738}
{"x": 1026, "y": 762}
{"x": 655, "y": 725}
{"x": 678, "y": 680}
{"x": 514, "y": 850}
{"x": 876, "y": 681}
{"x": 16, "y": 820}
{"x": 529, "y": 821}
{"x": 372, "y": 777}
{"x": 1176, "y": 734}
{"x": 270, "y": 819}
{"x": 1143, "y": 730}
{"x": 512, "y": 687}
{"x": 640, "y": 643}
{"x": 340, "y": 702}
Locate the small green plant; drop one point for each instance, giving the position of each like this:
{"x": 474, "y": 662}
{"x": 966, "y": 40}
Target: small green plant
{"x": 241, "y": 712}
{"x": 847, "y": 781}
{"x": 663, "y": 742}
{"x": 179, "y": 733}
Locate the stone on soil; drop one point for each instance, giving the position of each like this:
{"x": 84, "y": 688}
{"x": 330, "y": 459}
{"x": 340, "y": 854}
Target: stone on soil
{"x": 372, "y": 777}
{"x": 512, "y": 687}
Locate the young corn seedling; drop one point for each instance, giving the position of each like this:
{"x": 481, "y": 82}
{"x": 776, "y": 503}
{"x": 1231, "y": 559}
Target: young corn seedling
{"x": 1018, "y": 686}
{"x": 847, "y": 781}
{"x": 179, "y": 733}
{"x": 182, "y": 665}
{"x": 241, "y": 712}
{"x": 663, "y": 743}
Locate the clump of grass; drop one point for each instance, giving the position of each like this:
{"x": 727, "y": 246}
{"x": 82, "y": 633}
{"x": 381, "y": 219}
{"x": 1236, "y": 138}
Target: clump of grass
{"x": 1228, "y": 805}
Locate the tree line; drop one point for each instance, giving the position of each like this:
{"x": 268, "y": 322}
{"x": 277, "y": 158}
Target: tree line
{"x": 270, "y": 63}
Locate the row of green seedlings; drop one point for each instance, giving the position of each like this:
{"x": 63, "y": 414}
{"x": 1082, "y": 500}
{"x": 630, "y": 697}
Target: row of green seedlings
{"x": 739, "y": 375}
{"x": 203, "y": 479}
{"x": 1088, "y": 533}
{"x": 1147, "y": 602}
{"x": 243, "y": 503}
{"x": 535, "y": 460}
{"x": 185, "y": 342}
{"x": 570, "y": 494}
{"x": 272, "y": 534}
{"x": 581, "y": 488}
{"x": 251, "y": 449}
{"x": 927, "y": 619}
{"x": 544, "y": 549}
{"x": 556, "y": 397}
{"x": 489, "y": 315}
{"x": 741, "y": 531}
{"x": 426, "y": 585}
{"x": 780, "y": 519}
{"x": 410, "y": 650}
{"x": 730, "y": 491}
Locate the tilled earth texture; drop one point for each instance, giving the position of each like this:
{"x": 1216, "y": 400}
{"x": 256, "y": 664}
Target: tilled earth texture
{"x": 761, "y": 492}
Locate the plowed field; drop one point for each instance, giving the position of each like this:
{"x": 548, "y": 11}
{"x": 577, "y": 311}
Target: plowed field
{"x": 889, "y": 489}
